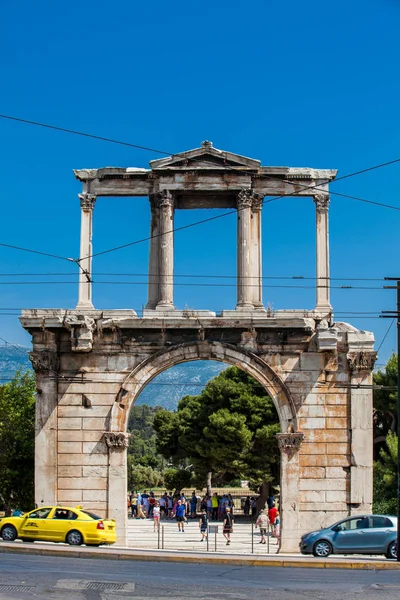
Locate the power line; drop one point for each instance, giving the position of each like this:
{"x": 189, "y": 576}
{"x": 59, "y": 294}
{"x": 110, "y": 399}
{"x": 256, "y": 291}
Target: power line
{"x": 189, "y": 284}
{"x": 196, "y": 276}
{"x": 83, "y": 134}
{"x": 387, "y": 331}
{"x": 37, "y": 252}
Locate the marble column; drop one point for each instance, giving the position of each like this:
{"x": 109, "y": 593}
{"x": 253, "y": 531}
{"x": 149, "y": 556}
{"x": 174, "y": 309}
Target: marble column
{"x": 154, "y": 274}
{"x": 85, "y": 276}
{"x": 165, "y": 203}
{"x": 322, "y": 253}
{"x": 244, "y": 251}
{"x": 256, "y": 280}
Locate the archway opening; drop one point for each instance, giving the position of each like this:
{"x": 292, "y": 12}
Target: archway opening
{"x": 203, "y": 432}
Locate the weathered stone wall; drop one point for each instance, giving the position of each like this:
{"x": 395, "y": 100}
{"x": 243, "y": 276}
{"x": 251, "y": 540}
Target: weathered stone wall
{"x": 90, "y": 371}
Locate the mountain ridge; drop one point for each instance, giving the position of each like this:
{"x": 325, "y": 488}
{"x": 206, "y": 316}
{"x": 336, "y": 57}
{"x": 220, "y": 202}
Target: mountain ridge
{"x": 164, "y": 390}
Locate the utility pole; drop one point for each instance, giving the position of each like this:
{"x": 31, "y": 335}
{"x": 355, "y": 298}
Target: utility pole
{"x": 396, "y": 315}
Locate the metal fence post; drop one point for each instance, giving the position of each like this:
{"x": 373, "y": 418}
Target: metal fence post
{"x": 208, "y": 534}
{"x": 252, "y": 538}
{"x": 158, "y": 536}
{"x": 162, "y": 538}
{"x": 268, "y": 539}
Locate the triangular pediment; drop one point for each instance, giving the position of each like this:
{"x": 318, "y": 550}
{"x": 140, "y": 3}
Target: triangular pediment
{"x": 205, "y": 158}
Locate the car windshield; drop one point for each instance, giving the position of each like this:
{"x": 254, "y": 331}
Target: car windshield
{"x": 91, "y": 515}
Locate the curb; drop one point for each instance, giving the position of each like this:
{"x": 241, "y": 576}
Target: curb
{"x": 231, "y": 559}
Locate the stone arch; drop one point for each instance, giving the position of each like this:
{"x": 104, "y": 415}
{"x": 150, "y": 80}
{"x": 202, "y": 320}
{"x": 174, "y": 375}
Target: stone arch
{"x": 240, "y": 357}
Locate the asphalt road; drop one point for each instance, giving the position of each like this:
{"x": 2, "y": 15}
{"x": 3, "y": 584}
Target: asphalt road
{"x": 27, "y": 577}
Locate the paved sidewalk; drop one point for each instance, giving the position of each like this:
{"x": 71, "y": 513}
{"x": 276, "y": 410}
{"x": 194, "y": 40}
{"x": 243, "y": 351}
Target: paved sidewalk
{"x": 141, "y": 535}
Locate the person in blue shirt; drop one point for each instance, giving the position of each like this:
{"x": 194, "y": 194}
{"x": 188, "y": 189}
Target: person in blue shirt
{"x": 180, "y": 515}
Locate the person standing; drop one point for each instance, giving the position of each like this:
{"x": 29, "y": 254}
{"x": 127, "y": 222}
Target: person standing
{"x": 145, "y": 502}
{"x": 273, "y": 511}
{"x": 193, "y": 505}
{"x": 203, "y": 523}
{"x": 262, "y": 522}
{"x": 134, "y": 506}
{"x": 214, "y": 506}
{"x": 228, "y": 525}
{"x": 180, "y": 512}
{"x": 156, "y": 516}
{"x": 152, "y": 503}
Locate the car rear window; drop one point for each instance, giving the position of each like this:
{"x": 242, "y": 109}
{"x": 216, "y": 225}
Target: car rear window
{"x": 91, "y": 515}
{"x": 381, "y": 522}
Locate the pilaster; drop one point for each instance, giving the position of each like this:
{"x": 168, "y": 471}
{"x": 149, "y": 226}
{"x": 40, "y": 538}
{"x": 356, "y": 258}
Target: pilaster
{"x": 45, "y": 363}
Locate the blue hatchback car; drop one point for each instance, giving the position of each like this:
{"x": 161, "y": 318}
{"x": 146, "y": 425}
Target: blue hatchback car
{"x": 362, "y": 534}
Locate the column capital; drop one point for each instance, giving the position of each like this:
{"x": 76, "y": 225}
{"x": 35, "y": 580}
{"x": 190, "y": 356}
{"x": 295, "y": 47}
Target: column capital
{"x": 257, "y": 202}
{"x": 322, "y": 202}
{"x": 87, "y": 201}
{"x": 162, "y": 198}
{"x": 245, "y": 198}
{"x": 116, "y": 440}
{"x": 289, "y": 441}
{"x": 44, "y": 361}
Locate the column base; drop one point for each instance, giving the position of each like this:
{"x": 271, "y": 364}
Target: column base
{"x": 85, "y": 305}
{"x": 163, "y": 307}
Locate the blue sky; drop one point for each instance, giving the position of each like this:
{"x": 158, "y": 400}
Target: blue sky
{"x": 293, "y": 84}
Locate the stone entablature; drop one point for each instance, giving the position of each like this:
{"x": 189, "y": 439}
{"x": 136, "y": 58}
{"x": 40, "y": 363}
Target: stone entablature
{"x": 206, "y": 178}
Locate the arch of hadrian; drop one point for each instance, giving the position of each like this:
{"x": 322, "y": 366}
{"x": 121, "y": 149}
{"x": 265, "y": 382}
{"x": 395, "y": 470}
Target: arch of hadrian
{"x": 91, "y": 364}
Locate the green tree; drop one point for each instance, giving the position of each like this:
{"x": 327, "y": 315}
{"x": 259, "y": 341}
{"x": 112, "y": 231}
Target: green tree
{"x": 385, "y": 477}
{"x": 385, "y": 403}
{"x": 227, "y": 431}
{"x": 17, "y": 441}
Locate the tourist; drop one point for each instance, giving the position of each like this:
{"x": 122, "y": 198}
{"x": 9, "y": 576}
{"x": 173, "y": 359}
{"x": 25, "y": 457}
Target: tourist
{"x": 180, "y": 512}
{"x": 246, "y": 507}
{"x": 262, "y": 522}
{"x": 227, "y": 526}
{"x": 170, "y": 505}
{"x": 134, "y": 508}
{"x": 214, "y": 505}
{"x": 272, "y": 513}
{"x": 152, "y": 503}
{"x": 253, "y": 504}
{"x": 156, "y": 516}
{"x": 276, "y": 532}
{"x": 203, "y": 524}
{"x": 193, "y": 505}
{"x": 145, "y": 502}
{"x": 209, "y": 506}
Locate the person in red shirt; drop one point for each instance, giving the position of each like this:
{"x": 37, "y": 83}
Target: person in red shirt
{"x": 273, "y": 511}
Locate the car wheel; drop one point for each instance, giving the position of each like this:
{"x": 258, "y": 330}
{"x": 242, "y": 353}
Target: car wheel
{"x": 322, "y": 549}
{"x": 392, "y": 551}
{"x": 74, "y": 538}
{"x": 9, "y": 533}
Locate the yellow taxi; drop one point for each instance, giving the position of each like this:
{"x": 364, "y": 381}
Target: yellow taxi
{"x": 74, "y": 526}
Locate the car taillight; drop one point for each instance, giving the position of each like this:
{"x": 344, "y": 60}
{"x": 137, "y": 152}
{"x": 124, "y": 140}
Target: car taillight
{"x": 100, "y": 525}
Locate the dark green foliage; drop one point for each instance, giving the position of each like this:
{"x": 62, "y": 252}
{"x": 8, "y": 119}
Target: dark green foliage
{"x": 145, "y": 464}
{"x": 176, "y": 479}
{"x": 229, "y": 430}
{"x": 385, "y": 403}
{"x": 385, "y": 477}
{"x": 17, "y": 440}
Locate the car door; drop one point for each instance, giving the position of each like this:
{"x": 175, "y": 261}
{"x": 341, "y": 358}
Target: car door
{"x": 350, "y": 537}
{"x": 57, "y": 524}
{"x": 381, "y": 533}
{"x": 34, "y": 525}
